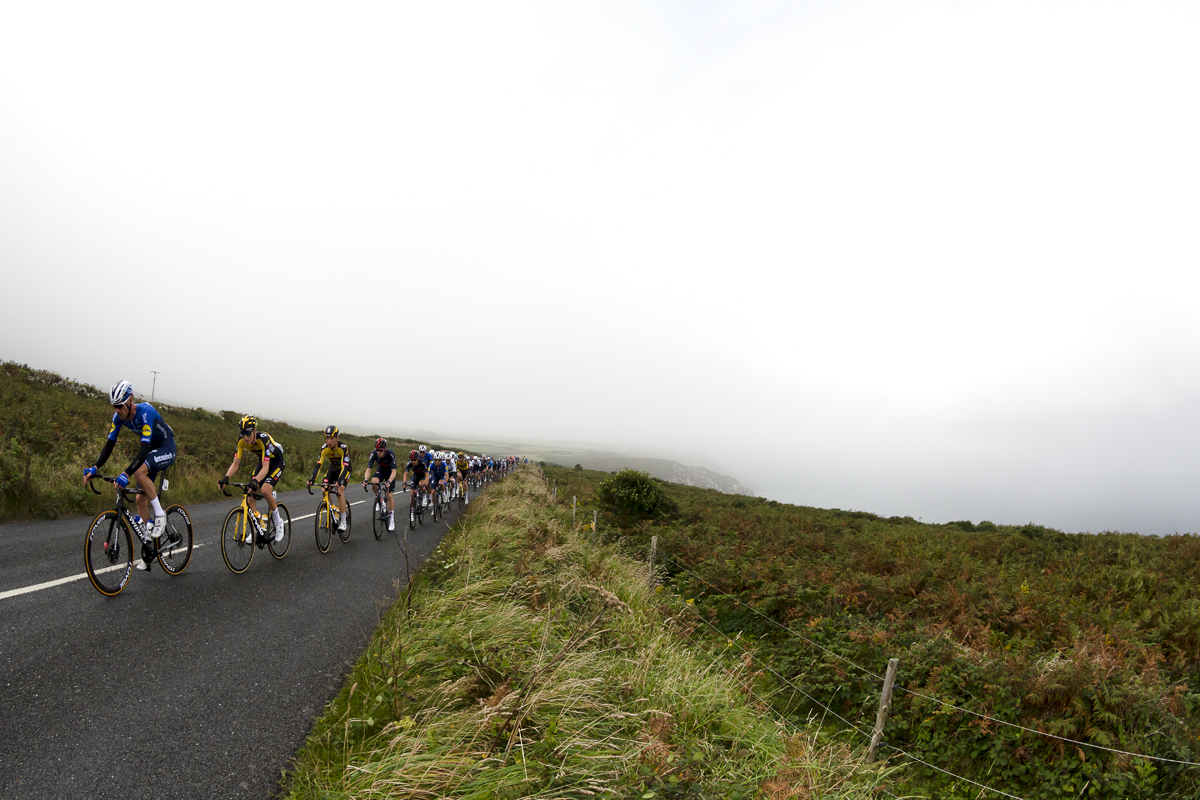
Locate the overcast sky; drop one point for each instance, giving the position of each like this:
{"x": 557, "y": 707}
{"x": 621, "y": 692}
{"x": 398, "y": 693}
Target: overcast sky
{"x": 938, "y": 259}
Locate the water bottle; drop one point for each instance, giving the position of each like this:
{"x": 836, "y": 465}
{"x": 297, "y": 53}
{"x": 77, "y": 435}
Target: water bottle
{"x": 139, "y": 527}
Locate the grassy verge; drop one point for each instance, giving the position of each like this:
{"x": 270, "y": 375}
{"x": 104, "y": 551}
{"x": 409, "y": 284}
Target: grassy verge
{"x": 528, "y": 660}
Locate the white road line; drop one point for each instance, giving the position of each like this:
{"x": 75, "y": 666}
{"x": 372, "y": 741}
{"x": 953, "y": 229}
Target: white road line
{"x": 51, "y": 584}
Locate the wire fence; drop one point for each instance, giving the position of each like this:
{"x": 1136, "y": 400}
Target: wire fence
{"x": 930, "y": 698}
{"x": 876, "y": 676}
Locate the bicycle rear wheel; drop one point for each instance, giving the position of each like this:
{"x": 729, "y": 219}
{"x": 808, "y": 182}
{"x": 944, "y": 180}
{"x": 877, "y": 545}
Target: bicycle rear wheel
{"x": 324, "y": 525}
{"x": 279, "y": 549}
{"x": 175, "y": 544}
{"x": 379, "y": 517}
{"x": 344, "y": 535}
{"x": 237, "y": 552}
{"x": 108, "y": 553}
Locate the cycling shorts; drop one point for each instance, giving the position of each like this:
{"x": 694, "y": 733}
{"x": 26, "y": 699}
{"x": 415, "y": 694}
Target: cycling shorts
{"x": 274, "y": 471}
{"x": 381, "y": 476}
{"x": 335, "y": 475}
{"x": 160, "y": 458}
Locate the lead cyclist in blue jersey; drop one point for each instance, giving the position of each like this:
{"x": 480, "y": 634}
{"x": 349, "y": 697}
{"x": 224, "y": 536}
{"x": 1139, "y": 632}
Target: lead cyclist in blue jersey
{"x": 156, "y": 454}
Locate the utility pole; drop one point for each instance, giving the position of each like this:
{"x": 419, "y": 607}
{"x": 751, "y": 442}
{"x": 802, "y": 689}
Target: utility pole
{"x": 153, "y": 385}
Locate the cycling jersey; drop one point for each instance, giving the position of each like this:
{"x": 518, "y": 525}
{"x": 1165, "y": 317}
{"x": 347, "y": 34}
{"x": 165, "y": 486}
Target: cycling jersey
{"x": 158, "y": 440}
{"x": 338, "y": 458}
{"x": 438, "y": 468}
{"x": 418, "y": 470}
{"x": 463, "y": 465}
{"x": 262, "y": 444}
{"x": 387, "y": 462}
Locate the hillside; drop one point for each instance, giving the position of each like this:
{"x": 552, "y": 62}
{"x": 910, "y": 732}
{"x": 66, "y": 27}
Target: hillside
{"x": 54, "y": 427}
{"x": 1032, "y": 661}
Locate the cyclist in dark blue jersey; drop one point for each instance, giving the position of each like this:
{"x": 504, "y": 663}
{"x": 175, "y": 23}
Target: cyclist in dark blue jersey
{"x": 383, "y": 461}
{"x": 157, "y": 452}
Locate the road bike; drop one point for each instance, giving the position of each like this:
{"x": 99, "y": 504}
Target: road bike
{"x": 416, "y": 506}
{"x": 379, "y": 509}
{"x": 108, "y": 550}
{"x": 326, "y": 519}
{"x": 244, "y": 530}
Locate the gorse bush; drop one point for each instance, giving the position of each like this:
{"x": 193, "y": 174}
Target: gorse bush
{"x": 635, "y": 494}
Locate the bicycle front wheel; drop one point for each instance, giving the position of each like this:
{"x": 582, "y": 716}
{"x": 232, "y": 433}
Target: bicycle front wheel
{"x": 175, "y": 545}
{"x": 279, "y": 548}
{"x": 344, "y": 535}
{"x": 237, "y": 552}
{"x": 324, "y": 527}
{"x": 379, "y": 517}
{"x": 108, "y": 553}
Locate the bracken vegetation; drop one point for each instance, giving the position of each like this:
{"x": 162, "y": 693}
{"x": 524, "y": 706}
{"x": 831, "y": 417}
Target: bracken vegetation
{"x": 530, "y": 661}
{"x": 1094, "y": 638}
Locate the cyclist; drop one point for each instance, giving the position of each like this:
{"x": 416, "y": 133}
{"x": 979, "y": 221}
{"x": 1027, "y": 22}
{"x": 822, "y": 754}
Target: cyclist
{"x": 416, "y": 467}
{"x": 270, "y": 456}
{"x": 463, "y": 464}
{"x": 384, "y": 462}
{"x": 437, "y": 476}
{"x": 157, "y": 452}
{"x": 337, "y": 455}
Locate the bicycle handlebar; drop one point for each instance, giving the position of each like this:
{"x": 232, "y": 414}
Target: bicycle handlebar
{"x": 245, "y": 487}
{"x": 112, "y": 480}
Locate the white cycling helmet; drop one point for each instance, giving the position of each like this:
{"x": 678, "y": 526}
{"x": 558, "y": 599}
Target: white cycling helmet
{"x": 422, "y": 448}
{"x": 120, "y": 392}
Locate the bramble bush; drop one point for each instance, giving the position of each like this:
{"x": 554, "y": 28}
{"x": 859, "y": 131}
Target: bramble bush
{"x": 633, "y": 494}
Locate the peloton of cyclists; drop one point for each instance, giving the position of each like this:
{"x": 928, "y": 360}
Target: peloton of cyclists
{"x": 384, "y": 462}
{"x": 270, "y": 460}
{"x": 157, "y": 452}
{"x": 337, "y": 455}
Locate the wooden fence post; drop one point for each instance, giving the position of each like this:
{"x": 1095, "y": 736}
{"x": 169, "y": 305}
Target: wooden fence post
{"x": 653, "y": 551}
{"x": 885, "y": 705}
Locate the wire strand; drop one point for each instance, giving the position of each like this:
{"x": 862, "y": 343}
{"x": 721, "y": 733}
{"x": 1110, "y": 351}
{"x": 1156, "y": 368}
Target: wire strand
{"x": 951, "y": 774}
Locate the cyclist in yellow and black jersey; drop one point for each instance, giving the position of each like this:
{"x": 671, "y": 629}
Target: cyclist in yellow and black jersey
{"x": 269, "y": 456}
{"x": 337, "y": 456}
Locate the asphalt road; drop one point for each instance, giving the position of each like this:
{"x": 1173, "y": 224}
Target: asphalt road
{"x": 201, "y": 685}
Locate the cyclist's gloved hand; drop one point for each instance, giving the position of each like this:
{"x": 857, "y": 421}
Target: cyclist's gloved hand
{"x": 221, "y": 483}
{"x": 90, "y": 473}
{"x": 254, "y": 484}
{"x": 123, "y": 480}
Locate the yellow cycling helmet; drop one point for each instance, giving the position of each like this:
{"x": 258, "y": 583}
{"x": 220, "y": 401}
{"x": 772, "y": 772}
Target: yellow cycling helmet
{"x": 332, "y": 430}
{"x": 249, "y": 423}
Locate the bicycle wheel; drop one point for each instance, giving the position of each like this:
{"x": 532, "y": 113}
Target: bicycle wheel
{"x": 175, "y": 545}
{"x": 462, "y": 496}
{"x": 279, "y": 549}
{"x": 324, "y": 525}
{"x": 108, "y": 553}
{"x": 435, "y": 507}
{"x": 412, "y": 511}
{"x": 379, "y": 517}
{"x": 237, "y": 552}
{"x": 344, "y": 535}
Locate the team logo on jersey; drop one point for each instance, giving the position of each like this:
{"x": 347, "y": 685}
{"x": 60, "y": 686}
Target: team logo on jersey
{"x": 145, "y": 430}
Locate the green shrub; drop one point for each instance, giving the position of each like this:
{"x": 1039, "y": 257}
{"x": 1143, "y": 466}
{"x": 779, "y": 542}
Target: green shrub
{"x": 630, "y": 493}
{"x": 579, "y": 467}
